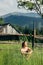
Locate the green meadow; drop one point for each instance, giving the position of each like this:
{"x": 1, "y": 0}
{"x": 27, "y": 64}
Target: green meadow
{"x": 10, "y": 55}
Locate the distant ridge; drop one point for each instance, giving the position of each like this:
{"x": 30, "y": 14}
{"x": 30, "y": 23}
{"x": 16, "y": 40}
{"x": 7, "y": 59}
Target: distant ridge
{"x": 23, "y": 19}
{"x": 22, "y": 14}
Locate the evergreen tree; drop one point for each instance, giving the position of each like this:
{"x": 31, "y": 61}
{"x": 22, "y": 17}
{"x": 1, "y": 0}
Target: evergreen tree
{"x": 1, "y": 21}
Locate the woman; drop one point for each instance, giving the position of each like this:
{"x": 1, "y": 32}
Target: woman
{"x": 25, "y": 50}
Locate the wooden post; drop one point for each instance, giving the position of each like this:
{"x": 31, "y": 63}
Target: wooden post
{"x": 33, "y": 37}
{"x": 34, "y": 34}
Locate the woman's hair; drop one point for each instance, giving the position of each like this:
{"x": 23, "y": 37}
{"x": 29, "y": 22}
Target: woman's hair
{"x": 23, "y": 44}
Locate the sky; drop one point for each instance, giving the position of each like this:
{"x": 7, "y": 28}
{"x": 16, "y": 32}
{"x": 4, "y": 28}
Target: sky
{"x": 9, "y": 6}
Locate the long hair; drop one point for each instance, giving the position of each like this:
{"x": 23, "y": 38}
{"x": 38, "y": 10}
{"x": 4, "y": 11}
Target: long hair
{"x": 23, "y": 44}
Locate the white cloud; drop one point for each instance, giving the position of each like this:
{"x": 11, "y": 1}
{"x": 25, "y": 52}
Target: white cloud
{"x": 7, "y": 6}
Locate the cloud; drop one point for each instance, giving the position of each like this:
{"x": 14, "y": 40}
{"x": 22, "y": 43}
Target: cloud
{"x": 7, "y": 6}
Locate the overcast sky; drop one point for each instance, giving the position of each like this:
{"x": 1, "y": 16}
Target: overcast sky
{"x": 8, "y": 6}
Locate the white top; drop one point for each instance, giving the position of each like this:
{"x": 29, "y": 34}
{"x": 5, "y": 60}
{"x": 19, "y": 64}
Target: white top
{"x": 26, "y": 50}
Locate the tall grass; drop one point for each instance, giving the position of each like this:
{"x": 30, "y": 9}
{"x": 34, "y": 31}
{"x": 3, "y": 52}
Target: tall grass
{"x": 10, "y": 55}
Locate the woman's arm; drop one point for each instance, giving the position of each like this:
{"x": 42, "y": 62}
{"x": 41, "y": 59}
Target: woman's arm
{"x": 30, "y": 50}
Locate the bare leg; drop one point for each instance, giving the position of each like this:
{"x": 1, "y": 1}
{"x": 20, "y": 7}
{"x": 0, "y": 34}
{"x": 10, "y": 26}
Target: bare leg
{"x": 29, "y": 55}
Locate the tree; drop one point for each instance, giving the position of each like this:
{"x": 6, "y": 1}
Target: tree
{"x": 1, "y": 21}
{"x": 29, "y": 5}
{"x": 26, "y": 30}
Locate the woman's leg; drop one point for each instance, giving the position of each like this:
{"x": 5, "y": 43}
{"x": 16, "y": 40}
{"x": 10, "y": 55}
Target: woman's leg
{"x": 29, "y": 55}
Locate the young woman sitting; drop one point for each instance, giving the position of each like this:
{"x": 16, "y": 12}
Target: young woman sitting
{"x": 25, "y": 50}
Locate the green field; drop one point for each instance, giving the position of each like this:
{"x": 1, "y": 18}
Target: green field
{"x": 10, "y": 55}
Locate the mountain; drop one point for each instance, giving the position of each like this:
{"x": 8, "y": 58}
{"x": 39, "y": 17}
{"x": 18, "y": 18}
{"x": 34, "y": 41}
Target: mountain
{"x": 22, "y": 14}
{"x": 24, "y": 19}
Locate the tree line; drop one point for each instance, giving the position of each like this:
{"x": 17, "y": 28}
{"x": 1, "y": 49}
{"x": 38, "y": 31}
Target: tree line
{"x": 27, "y": 30}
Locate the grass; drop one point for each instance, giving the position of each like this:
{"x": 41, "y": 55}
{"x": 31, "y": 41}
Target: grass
{"x": 10, "y": 55}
